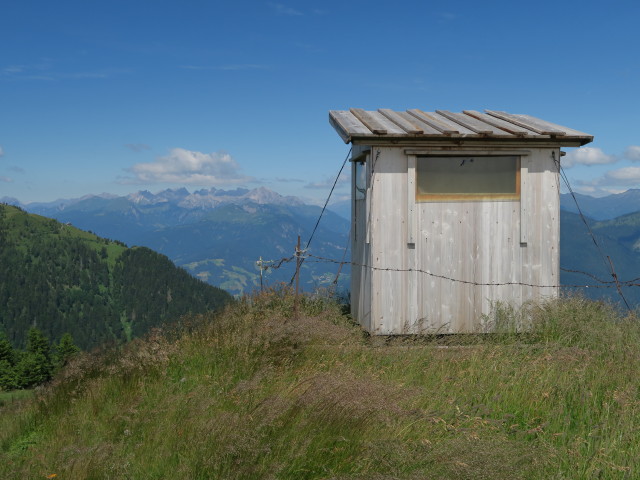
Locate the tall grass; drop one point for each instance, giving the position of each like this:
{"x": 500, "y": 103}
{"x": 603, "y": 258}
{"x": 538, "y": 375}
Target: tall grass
{"x": 257, "y": 393}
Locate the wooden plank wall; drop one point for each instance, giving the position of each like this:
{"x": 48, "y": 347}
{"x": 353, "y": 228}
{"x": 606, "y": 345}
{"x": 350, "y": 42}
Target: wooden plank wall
{"x": 479, "y": 242}
{"x": 360, "y": 252}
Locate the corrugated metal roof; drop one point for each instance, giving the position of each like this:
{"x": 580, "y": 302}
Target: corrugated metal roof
{"x": 414, "y": 124}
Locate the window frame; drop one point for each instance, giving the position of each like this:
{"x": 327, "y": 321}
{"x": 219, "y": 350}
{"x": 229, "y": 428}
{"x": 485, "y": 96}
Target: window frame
{"x": 468, "y": 197}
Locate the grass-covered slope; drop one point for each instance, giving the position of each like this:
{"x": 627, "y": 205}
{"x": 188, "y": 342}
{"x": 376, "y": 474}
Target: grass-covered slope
{"x": 62, "y": 279}
{"x": 257, "y": 393}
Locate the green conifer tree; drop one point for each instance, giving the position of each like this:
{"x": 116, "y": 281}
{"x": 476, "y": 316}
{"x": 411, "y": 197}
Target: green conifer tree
{"x": 65, "y": 350}
{"x": 34, "y": 366}
{"x": 6, "y": 350}
{"x": 32, "y": 369}
{"x": 8, "y": 380}
{"x": 8, "y": 376}
{"x": 37, "y": 342}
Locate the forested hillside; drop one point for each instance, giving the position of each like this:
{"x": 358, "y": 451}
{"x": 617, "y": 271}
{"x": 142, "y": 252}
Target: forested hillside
{"x": 62, "y": 279}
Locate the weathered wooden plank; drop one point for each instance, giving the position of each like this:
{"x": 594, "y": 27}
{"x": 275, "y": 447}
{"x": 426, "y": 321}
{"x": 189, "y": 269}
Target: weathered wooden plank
{"x": 525, "y": 198}
{"x": 412, "y": 291}
{"x": 532, "y": 123}
{"x": 388, "y": 241}
{"x": 552, "y": 204}
{"x": 411, "y": 199}
{"x": 501, "y": 124}
{"x": 403, "y": 123}
{"x": 473, "y": 124}
{"x": 443, "y": 127}
{"x": 368, "y": 216}
{"x": 462, "y": 129}
{"x": 428, "y": 130}
{"x": 569, "y": 132}
{"x": 369, "y": 121}
{"x": 356, "y": 250}
{"x": 384, "y": 122}
{"x": 347, "y": 125}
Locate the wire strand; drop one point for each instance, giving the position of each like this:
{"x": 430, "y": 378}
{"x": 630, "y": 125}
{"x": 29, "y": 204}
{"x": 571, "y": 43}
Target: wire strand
{"x": 605, "y": 258}
{"x": 324, "y": 207}
{"x": 456, "y": 280}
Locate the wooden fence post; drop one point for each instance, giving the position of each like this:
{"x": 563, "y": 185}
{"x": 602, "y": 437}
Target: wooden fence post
{"x": 295, "y": 309}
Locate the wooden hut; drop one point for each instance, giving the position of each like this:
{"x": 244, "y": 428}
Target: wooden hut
{"x": 451, "y": 212}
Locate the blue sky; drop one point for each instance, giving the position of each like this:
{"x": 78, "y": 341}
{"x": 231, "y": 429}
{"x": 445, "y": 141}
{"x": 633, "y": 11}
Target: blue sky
{"x": 118, "y": 96}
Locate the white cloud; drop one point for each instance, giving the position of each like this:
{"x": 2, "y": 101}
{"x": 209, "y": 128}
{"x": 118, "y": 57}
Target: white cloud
{"x": 632, "y": 153}
{"x": 228, "y": 67}
{"x": 1, "y": 152}
{"x": 281, "y": 9}
{"x": 621, "y": 176}
{"x": 46, "y": 70}
{"x": 326, "y": 184}
{"x": 6, "y": 179}
{"x": 13, "y": 69}
{"x": 613, "y": 181}
{"x": 187, "y": 167}
{"x": 242, "y": 66}
{"x": 587, "y": 156}
{"x": 289, "y": 180}
{"x": 137, "y": 147}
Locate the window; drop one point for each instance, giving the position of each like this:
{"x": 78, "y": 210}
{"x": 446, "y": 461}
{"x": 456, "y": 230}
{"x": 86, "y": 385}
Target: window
{"x": 467, "y": 178}
{"x": 360, "y": 170}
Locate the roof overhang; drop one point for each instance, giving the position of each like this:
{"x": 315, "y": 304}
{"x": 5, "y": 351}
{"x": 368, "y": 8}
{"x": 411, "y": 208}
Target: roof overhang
{"x": 469, "y": 128}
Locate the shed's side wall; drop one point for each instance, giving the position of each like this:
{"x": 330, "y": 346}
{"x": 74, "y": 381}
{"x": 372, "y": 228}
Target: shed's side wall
{"x": 360, "y": 251}
{"x": 462, "y": 245}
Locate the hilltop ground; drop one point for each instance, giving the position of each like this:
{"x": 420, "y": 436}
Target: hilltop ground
{"x": 257, "y": 393}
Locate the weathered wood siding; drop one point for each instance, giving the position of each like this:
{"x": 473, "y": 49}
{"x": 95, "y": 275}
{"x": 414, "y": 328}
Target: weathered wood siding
{"x": 360, "y": 251}
{"x": 482, "y": 242}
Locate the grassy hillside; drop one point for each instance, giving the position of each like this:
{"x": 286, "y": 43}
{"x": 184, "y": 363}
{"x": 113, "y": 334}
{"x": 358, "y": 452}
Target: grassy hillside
{"x": 62, "y": 279}
{"x": 257, "y": 393}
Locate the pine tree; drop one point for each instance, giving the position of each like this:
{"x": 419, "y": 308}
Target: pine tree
{"x": 65, "y": 350}
{"x": 35, "y": 365}
{"x": 32, "y": 369}
{"x": 8, "y": 380}
{"x": 8, "y": 377}
{"x": 6, "y": 350}
{"x": 3, "y": 230}
{"x": 37, "y": 342}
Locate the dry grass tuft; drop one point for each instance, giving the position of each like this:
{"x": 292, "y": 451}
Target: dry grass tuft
{"x": 346, "y": 397}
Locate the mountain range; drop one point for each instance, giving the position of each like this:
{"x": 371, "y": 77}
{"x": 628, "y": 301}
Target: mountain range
{"x": 217, "y": 235}
{"x": 602, "y": 208}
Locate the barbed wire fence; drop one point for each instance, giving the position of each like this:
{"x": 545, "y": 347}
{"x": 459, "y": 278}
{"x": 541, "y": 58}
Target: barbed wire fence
{"x": 609, "y": 264}
{"x": 303, "y": 255}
